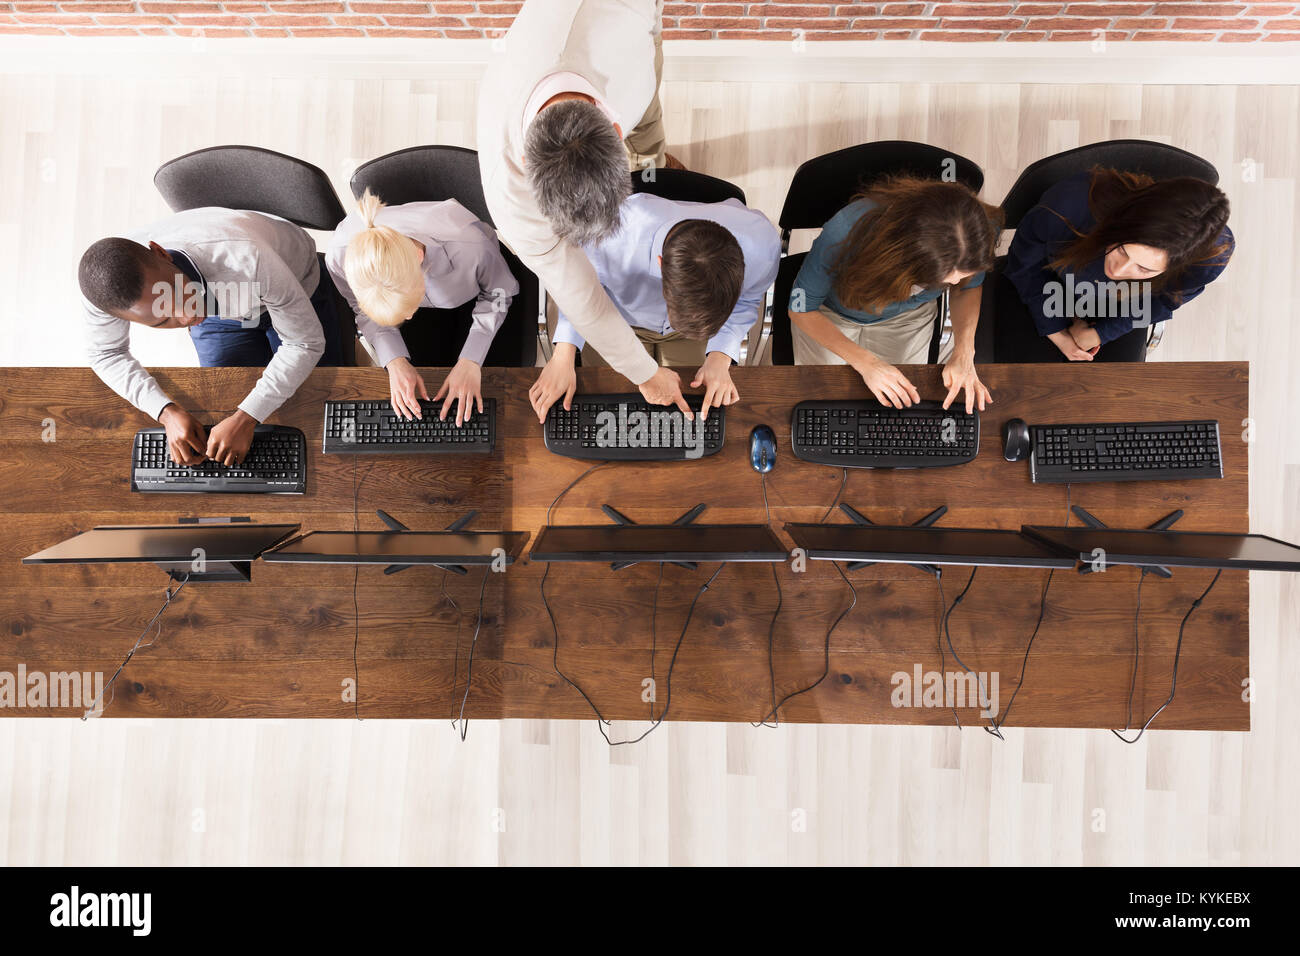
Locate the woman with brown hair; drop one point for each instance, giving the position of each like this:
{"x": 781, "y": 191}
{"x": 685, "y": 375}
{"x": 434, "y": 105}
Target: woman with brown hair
{"x": 868, "y": 293}
{"x": 1103, "y": 256}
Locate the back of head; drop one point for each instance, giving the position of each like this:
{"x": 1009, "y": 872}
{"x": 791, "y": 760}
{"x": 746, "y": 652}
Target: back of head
{"x": 577, "y": 169}
{"x": 1184, "y": 216}
{"x": 112, "y": 274}
{"x": 383, "y": 268}
{"x": 918, "y": 234}
{"x": 703, "y": 274}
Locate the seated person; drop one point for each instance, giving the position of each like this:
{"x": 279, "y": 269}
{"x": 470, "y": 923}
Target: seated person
{"x": 689, "y": 278}
{"x": 388, "y": 261}
{"x": 247, "y": 286}
{"x": 1104, "y": 255}
{"x": 868, "y": 293}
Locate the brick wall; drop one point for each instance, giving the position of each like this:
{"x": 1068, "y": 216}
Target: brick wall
{"x": 968, "y": 20}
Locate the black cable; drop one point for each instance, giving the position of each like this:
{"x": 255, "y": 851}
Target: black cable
{"x": 771, "y": 638}
{"x": 356, "y": 610}
{"x": 1137, "y": 650}
{"x": 947, "y": 633}
{"x": 556, "y": 500}
{"x": 943, "y": 661}
{"x": 469, "y": 665}
{"x": 601, "y": 722}
{"x": 843, "y": 482}
{"x": 654, "y": 642}
{"x": 826, "y": 652}
{"x": 1173, "y": 682}
{"x": 139, "y": 642}
{"x": 996, "y": 726}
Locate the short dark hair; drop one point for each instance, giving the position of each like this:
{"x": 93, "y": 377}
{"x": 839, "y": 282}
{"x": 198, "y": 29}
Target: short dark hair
{"x": 703, "y": 273}
{"x": 577, "y": 169}
{"x": 111, "y": 273}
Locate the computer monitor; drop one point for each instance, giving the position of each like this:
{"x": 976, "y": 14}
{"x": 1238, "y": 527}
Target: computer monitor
{"x": 658, "y": 543}
{"x": 924, "y": 545}
{"x": 1179, "y": 549}
{"x": 400, "y": 547}
{"x": 201, "y": 551}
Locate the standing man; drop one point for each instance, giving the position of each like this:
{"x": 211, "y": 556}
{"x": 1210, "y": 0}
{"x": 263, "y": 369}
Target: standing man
{"x": 569, "y": 104}
{"x": 248, "y": 288}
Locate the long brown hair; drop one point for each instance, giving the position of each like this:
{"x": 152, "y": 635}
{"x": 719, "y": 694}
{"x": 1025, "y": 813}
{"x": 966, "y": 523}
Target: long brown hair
{"x": 920, "y": 231}
{"x": 1183, "y": 216}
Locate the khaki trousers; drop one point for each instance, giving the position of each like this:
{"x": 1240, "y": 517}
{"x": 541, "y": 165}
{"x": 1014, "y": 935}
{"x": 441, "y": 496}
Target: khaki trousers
{"x": 902, "y": 340}
{"x": 646, "y": 144}
{"x": 673, "y": 350}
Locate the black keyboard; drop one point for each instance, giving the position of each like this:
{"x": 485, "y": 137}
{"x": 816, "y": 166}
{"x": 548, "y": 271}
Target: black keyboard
{"x": 862, "y": 433}
{"x": 1125, "y": 451}
{"x": 373, "y": 428}
{"x": 627, "y": 428}
{"x": 276, "y": 464}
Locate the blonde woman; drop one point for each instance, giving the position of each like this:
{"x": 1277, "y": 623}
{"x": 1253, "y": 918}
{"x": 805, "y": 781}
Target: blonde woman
{"x": 389, "y": 261}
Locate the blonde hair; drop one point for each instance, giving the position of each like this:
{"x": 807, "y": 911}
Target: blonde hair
{"x": 383, "y": 268}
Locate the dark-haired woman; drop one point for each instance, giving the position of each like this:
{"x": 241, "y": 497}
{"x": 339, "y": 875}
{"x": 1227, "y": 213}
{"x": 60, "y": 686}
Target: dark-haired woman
{"x": 1102, "y": 257}
{"x": 868, "y": 293}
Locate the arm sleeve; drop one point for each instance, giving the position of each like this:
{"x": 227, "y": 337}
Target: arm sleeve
{"x": 732, "y": 335}
{"x": 302, "y": 341}
{"x": 1027, "y": 266}
{"x": 497, "y": 289}
{"x": 109, "y": 352}
{"x": 813, "y": 283}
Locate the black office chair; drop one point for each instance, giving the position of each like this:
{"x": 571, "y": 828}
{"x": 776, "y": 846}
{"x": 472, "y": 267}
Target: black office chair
{"x": 684, "y": 185}
{"x": 434, "y": 174}
{"x": 822, "y": 187}
{"x": 1156, "y": 160}
{"x": 259, "y": 180}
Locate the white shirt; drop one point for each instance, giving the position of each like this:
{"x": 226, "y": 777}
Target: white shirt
{"x": 236, "y": 252}
{"x": 628, "y": 266}
{"x": 610, "y": 44}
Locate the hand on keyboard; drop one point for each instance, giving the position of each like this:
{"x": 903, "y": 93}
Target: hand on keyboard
{"x": 888, "y": 384}
{"x": 464, "y": 387}
{"x": 557, "y": 380}
{"x": 715, "y": 376}
{"x": 186, "y": 440}
{"x": 405, "y": 388}
{"x": 664, "y": 387}
{"x": 960, "y": 374}
{"x": 229, "y": 439}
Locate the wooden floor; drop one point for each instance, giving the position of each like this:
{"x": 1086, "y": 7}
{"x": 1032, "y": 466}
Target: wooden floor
{"x": 76, "y": 159}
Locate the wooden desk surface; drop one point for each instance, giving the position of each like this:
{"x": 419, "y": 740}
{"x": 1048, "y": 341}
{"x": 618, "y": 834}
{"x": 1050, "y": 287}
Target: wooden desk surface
{"x": 282, "y": 645}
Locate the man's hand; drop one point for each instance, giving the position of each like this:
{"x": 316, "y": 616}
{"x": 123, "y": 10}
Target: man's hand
{"x": 715, "y": 376}
{"x": 229, "y": 439}
{"x": 558, "y": 379}
{"x": 664, "y": 387}
{"x": 464, "y": 386}
{"x": 1085, "y": 336}
{"x": 1064, "y": 341}
{"x": 888, "y": 384}
{"x": 185, "y": 438}
{"x": 405, "y": 388}
{"x": 960, "y": 374}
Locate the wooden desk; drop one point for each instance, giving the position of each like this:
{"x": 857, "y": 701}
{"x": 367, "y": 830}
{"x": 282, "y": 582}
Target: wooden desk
{"x": 282, "y": 645}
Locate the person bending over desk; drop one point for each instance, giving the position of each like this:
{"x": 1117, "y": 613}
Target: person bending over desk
{"x": 868, "y": 293}
{"x": 388, "y": 261}
{"x": 248, "y": 288}
{"x": 1104, "y": 255}
{"x": 689, "y": 278}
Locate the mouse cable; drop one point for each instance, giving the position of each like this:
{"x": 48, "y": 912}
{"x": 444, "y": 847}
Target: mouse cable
{"x": 1173, "y": 682}
{"x": 469, "y": 666}
{"x": 1137, "y": 650}
{"x": 943, "y": 661}
{"x": 843, "y": 481}
{"x": 139, "y": 643}
{"x": 601, "y": 722}
{"x": 826, "y": 652}
{"x": 995, "y": 727}
{"x": 565, "y": 491}
{"x": 986, "y": 699}
{"x": 771, "y": 666}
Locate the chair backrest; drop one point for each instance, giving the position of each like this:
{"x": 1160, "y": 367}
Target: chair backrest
{"x": 425, "y": 174}
{"x": 249, "y": 177}
{"x": 686, "y": 185}
{"x": 825, "y": 184}
{"x": 1129, "y": 155}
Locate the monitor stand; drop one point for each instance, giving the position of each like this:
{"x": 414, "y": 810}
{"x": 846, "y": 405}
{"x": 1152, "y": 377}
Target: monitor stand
{"x": 621, "y": 519}
{"x": 395, "y": 525}
{"x": 859, "y": 518}
{"x": 213, "y": 571}
{"x": 1092, "y": 521}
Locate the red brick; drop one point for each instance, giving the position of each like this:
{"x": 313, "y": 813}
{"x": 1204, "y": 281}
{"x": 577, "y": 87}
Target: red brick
{"x": 896, "y": 35}
{"x": 276, "y": 20}
{"x": 214, "y": 21}
{"x": 335, "y": 32}
{"x": 1066, "y": 23}
{"x": 102, "y": 32}
{"x": 269, "y": 32}
{"x": 347, "y": 21}
{"x": 1283, "y": 23}
{"x": 970, "y": 9}
{"x": 429, "y": 21}
{"x": 902, "y": 9}
{"x": 308, "y": 8}
{"x": 843, "y": 34}
{"x": 1282, "y": 38}
{"x": 56, "y": 19}
{"x": 1108, "y": 9}
{"x": 1003, "y": 24}
{"x": 1199, "y": 9}
{"x": 959, "y": 36}
{"x": 1169, "y": 35}
{"x": 1139, "y": 23}
{"x": 688, "y": 34}
{"x": 99, "y": 7}
{"x": 1025, "y": 36}
{"x": 396, "y": 9}
{"x": 1088, "y": 36}
{"x": 31, "y": 31}
{"x": 1238, "y": 37}
{"x": 1208, "y": 23}
{"x": 175, "y": 8}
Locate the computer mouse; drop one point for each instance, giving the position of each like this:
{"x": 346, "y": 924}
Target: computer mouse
{"x": 762, "y": 449}
{"x": 1015, "y": 439}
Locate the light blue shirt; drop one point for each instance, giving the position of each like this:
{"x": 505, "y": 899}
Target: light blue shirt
{"x": 628, "y": 265}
